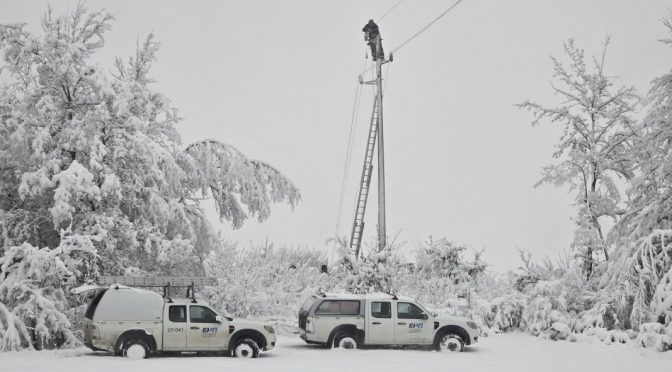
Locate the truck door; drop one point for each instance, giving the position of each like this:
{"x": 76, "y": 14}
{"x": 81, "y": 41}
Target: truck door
{"x": 205, "y": 332}
{"x": 175, "y": 328}
{"x": 380, "y": 325}
{"x": 413, "y": 325}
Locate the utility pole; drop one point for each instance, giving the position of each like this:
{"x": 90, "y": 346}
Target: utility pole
{"x": 382, "y": 237}
{"x": 375, "y": 137}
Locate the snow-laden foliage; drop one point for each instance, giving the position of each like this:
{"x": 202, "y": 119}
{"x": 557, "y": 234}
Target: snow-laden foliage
{"x": 32, "y": 299}
{"x": 265, "y": 281}
{"x": 234, "y": 180}
{"x": 442, "y": 276}
{"x": 594, "y": 149}
{"x": 642, "y": 268}
{"x": 377, "y": 270}
{"x": 639, "y": 279}
{"x": 273, "y": 282}
{"x": 93, "y": 161}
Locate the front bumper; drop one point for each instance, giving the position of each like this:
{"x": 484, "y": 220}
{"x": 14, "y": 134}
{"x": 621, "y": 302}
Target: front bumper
{"x": 270, "y": 341}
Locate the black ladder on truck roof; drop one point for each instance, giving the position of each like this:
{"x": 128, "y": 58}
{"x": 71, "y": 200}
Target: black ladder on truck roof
{"x": 365, "y": 182}
{"x": 161, "y": 281}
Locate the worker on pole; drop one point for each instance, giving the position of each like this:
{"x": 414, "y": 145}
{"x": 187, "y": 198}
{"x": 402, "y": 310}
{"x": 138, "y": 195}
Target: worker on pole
{"x": 372, "y": 37}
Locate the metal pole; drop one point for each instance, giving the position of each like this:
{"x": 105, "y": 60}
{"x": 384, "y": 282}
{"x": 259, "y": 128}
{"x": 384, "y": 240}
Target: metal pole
{"x": 381, "y": 148}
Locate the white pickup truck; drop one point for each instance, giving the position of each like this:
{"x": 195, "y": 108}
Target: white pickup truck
{"x": 138, "y": 323}
{"x": 351, "y": 321}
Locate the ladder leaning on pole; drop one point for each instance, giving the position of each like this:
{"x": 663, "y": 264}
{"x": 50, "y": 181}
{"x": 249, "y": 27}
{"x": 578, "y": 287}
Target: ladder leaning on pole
{"x": 364, "y": 183}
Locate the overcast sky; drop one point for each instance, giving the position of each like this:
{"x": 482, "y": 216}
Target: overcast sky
{"x": 277, "y": 80}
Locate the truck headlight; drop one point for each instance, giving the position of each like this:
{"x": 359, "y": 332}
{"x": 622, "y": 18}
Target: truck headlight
{"x": 269, "y": 329}
{"x": 472, "y": 325}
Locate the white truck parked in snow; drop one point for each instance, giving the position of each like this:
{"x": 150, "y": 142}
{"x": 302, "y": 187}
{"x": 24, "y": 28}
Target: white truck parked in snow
{"x": 137, "y": 323}
{"x": 351, "y": 321}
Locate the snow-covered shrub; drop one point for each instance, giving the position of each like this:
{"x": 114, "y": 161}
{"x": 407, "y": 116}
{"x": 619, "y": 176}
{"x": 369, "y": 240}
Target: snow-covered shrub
{"x": 602, "y": 314}
{"x": 378, "y": 270}
{"x": 500, "y": 314}
{"x": 265, "y": 281}
{"x": 442, "y": 275}
{"x": 33, "y": 295}
{"x": 640, "y": 279}
{"x": 655, "y": 336}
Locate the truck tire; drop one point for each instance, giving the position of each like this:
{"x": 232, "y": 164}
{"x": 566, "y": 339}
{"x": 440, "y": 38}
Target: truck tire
{"x": 135, "y": 348}
{"x": 245, "y": 348}
{"x": 345, "y": 340}
{"x": 449, "y": 342}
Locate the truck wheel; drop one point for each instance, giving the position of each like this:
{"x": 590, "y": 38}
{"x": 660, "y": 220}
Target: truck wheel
{"x": 345, "y": 341}
{"x": 246, "y": 348}
{"x": 449, "y": 342}
{"x": 135, "y": 348}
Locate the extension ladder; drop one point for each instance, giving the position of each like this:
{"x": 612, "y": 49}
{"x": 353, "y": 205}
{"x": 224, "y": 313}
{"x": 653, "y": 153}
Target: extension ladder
{"x": 364, "y": 183}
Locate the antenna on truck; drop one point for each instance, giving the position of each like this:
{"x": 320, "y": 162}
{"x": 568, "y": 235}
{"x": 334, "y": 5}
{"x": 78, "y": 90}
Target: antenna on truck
{"x": 190, "y": 282}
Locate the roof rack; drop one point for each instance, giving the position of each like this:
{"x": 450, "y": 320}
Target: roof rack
{"x": 162, "y": 281}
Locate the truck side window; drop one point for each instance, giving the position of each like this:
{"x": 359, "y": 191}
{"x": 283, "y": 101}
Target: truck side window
{"x": 201, "y": 314}
{"x": 406, "y": 310}
{"x": 329, "y": 307}
{"x": 177, "y": 314}
{"x": 381, "y": 309}
{"x": 338, "y": 307}
{"x": 349, "y": 307}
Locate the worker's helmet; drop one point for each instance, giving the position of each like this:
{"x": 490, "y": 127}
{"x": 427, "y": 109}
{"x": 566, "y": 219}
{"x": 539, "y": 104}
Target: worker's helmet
{"x": 371, "y": 21}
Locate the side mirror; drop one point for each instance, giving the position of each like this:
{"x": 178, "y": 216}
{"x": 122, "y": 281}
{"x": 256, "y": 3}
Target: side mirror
{"x": 425, "y": 316}
{"x": 218, "y": 319}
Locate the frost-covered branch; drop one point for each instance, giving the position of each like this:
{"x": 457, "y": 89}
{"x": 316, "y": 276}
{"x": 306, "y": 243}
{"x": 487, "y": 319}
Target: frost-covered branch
{"x": 234, "y": 180}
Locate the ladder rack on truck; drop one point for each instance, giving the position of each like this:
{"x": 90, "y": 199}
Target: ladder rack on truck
{"x": 161, "y": 281}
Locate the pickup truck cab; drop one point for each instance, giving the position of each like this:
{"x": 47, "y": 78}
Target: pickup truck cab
{"x": 138, "y": 323}
{"x": 352, "y": 321}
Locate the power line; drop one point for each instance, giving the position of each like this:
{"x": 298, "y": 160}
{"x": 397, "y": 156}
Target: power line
{"x": 428, "y": 26}
{"x": 389, "y": 11}
{"x": 348, "y": 155}
{"x": 420, "y": 32}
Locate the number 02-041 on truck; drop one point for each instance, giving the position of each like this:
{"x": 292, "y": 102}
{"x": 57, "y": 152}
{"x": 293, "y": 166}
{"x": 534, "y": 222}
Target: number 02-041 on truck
{"x": 127, "y": 320}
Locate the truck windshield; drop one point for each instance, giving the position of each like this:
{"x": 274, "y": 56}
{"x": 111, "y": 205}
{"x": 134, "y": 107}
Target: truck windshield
{"x": 425, "y": 309}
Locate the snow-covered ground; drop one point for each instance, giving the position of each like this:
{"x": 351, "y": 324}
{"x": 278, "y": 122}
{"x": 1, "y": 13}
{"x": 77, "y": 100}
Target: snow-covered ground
{"x": 509, "y": 352}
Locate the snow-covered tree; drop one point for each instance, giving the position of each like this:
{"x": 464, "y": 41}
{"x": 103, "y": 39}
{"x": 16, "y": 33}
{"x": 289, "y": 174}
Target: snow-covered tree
{"x": 642, "y": 269}
{"x": 594, "y": 149}
{"x": 93, "y": 161}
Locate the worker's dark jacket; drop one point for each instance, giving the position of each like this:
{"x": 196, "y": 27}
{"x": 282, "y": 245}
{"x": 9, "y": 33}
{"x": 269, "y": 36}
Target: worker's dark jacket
{"x": 371, "y": 30}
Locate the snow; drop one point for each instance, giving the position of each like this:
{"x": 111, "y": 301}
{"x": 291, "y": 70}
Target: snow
{"x": 507, "y": 352}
